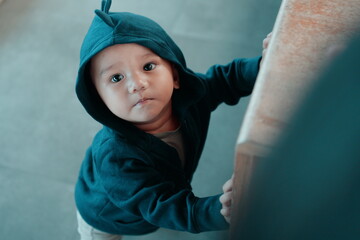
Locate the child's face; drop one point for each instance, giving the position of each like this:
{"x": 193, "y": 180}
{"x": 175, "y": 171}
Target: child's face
{"x": 135, "y": 84}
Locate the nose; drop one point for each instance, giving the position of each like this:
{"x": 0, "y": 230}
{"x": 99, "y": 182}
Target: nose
{"x": 137, "y": 82}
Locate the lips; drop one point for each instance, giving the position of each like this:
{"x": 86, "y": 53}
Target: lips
{"x": 142, "y": 101}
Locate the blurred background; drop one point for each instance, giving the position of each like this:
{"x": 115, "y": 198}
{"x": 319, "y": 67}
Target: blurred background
{"x": 44, "y": 131}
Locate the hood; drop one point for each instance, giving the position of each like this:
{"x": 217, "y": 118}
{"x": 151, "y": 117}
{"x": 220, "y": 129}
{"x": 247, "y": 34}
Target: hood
{"x": 110, "y": 28}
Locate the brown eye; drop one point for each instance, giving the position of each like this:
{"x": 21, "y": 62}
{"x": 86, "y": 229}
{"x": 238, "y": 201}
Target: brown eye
{"x": 149, "y": 66}
{"x": 117, "y": 78}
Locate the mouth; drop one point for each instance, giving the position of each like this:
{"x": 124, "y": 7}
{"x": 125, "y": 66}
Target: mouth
{"x": 143, "y": 101}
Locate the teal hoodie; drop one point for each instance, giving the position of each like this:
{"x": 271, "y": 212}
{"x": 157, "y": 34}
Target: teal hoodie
{"x": 131, "y": 182}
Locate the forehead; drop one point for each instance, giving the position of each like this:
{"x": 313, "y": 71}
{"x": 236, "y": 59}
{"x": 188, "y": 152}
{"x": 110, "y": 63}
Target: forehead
{"x": 118, "y": 54}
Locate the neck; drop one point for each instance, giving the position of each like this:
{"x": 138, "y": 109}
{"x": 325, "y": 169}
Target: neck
{"x": 159, "y": 127}
{"x": 164, "y": 124}
{"x": 168, "y": 126}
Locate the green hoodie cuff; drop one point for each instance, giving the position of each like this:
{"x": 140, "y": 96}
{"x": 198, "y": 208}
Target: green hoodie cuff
{"x": 207, "y": 214}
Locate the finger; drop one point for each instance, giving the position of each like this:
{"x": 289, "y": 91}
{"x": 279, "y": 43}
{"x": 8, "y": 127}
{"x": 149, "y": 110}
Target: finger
{"x": 266, "y": 42}
{"x": 226, "y": 212}
{"x": 227, "y": 187}
{"x": 264, "y": 52}
{"x": 226, "y": 199}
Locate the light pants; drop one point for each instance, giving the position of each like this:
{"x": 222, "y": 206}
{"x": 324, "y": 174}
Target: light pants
{"x": 87, "y": 232}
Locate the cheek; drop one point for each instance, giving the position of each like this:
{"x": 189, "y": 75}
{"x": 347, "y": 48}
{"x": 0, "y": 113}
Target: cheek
{"x": 169, "y": 82}
{"x": 166, "y": 89}
{"x": 114, "y": 100}
{"x": 118, "y": 108}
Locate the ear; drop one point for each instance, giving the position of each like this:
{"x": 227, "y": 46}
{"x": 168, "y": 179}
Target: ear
{"x": 175, "y": 77}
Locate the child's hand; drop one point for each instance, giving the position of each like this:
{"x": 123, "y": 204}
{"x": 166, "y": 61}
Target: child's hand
{"x": 226, "y": 199}
{"x": 265, "y": 46}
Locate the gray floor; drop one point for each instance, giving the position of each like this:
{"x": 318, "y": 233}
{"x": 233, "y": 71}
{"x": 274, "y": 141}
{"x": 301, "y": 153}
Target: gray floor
{"x": 44, "y": 131}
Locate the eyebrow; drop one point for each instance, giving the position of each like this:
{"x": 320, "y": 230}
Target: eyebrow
{"x": 105, "y": 70}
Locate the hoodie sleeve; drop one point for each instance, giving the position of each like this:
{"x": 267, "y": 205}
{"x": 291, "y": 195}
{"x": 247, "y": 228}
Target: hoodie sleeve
{"x": 228, "y": 83}
{"x": 143, "y": 190}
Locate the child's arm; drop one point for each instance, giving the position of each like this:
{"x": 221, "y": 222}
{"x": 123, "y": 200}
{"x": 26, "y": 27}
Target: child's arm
{"x": 145, "y": 192}
{"x": 228, "y": 83}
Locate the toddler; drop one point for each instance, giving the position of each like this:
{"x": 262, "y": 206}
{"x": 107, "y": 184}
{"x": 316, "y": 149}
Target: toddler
{"x": 155, "y": 113}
